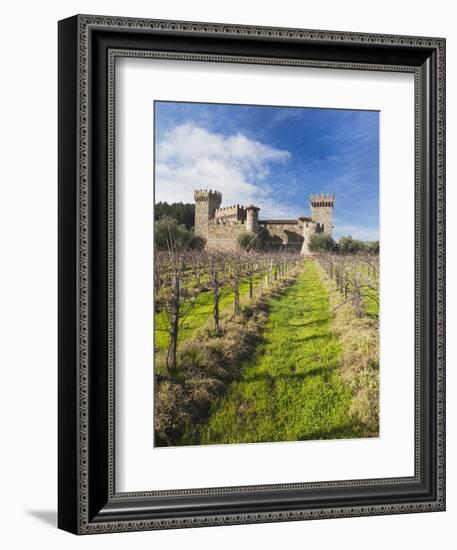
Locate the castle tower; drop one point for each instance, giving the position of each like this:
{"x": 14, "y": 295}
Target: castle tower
{"x": 206, "y": 203}
{"x": 322, "y": 211}
{"x": 252, "y": 219}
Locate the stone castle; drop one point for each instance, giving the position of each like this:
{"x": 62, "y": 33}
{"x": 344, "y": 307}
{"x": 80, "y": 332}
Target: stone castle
{"x": 221, "y": 227}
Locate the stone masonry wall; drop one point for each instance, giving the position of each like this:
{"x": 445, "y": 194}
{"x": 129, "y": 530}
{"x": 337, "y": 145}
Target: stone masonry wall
{"x": 235, "y": 212}
{"x": 322, "y": 211}
{"x": 224, "y": 237}
{"x": 206, "y": 203}
{"x": 283, "y": 234}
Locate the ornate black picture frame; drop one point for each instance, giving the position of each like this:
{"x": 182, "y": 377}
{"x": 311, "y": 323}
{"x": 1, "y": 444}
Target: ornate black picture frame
{"x": 88, "y": 501}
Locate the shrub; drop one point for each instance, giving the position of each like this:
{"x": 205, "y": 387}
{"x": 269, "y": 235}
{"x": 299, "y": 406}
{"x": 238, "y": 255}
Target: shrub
{"x": 372, "y": 247}
{"x": 170, "y": 412}
{"x": 348, "y": 245}
{"x": 183, "y": 213}
{"x": 168, "y": 233}
{"x": 246, "y": 240}
{"x": 321, "y": 242}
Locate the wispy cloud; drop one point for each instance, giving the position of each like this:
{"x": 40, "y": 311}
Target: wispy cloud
{"x": 190, "y": 157}
{"x": 272, "y": 156}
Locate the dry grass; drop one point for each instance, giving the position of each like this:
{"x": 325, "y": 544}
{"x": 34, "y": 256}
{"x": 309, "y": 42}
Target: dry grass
{"x": 359, "y": 359}
{"x": 207, "y": 364}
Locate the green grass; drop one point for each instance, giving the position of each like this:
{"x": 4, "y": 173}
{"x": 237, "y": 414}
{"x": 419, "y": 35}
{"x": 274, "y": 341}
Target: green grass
{"x": 371, "y": 303}
{"x": 201, "y": 312}
{"x": 291, "y": 390}
{"x": 370, "y": 298}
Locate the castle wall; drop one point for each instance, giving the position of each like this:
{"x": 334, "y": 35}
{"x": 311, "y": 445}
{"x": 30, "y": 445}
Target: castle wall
{"x": 224, "y": 238}
{"x": 222, "y": 226}
{"x": 235, "y": 212}
{"x": 280, "y": 235}
{"x": 284, "y": 230}
{"x": 309, "y": 228}
{"x": 324, "y": 216}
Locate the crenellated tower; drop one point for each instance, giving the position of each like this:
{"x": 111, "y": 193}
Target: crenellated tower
{"x": 322, "y": 211}
{"x": 206, "y": 203}
{"x": 252, "y": 218}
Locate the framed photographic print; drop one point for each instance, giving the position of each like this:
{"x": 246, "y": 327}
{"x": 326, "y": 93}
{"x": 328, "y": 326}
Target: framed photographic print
{"x": 251, "y": 274}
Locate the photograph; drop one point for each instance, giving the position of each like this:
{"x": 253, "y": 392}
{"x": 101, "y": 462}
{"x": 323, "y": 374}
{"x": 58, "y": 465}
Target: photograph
{"x": 266, "y": 274}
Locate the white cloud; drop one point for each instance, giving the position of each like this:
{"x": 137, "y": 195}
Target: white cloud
{"x": 190, "y": 157}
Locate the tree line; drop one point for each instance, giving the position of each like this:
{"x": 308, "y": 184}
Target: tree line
{"x": 320, "y": 242}
{"x": 183, "y": 273}
{"x": 168, "y": 228}
{"x": 183, "y": 213}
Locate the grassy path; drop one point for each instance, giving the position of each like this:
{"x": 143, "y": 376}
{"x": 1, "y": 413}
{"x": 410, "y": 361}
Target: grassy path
{"x": 200, "y": 313}
{"x": 291, "y": 389}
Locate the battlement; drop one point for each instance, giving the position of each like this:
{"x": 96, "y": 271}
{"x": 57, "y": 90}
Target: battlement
{"x": 322, "y": 200}
{"x": 235, "y": 211}
{"x": 201, "y": 195}
{"x": 229, "y": 215}
{"x": 226, "y": 221}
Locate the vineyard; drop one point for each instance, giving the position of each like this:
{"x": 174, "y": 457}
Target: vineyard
{"x": 254, "y": 346}
{"x": 195, "y": 286}
{"x": 357, "y": 279}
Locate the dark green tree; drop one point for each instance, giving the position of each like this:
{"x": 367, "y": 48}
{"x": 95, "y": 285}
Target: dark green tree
{"x": 348, "y": 245}
{"x": 247, "y": 240}
{"x": 320, "y": 242}
{"x": 372, "y": 247}
{"x": 183, "y": 213}
{"x": 169, "y": 233}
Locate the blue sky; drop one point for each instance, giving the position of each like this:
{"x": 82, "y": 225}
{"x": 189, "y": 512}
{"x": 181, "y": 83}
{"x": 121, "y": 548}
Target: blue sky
{"x": 274, "y": 157}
